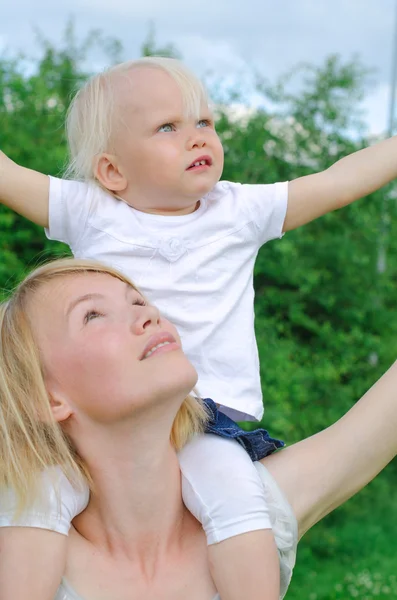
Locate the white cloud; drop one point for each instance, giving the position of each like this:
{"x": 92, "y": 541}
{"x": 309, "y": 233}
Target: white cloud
{"x": 376, "y": 107}
{"x": 204, "y": 54}
{"x": 3, "y": 42}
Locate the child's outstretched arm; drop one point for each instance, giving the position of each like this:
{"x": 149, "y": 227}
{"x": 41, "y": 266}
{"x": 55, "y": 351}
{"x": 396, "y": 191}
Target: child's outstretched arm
{"x": 24, "y": 191}
{"x": 33, "y": 544}
{"x": 349, "y": 179}
{"x": 222, "y": 489}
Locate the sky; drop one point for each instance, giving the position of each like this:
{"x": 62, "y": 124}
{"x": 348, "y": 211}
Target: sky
{"x": 229, "y": 37}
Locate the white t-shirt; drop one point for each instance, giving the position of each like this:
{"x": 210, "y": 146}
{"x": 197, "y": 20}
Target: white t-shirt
{"x": 197, "y": 269}
{"x": 284, "y": 526}
{"x": 66, "y": 592}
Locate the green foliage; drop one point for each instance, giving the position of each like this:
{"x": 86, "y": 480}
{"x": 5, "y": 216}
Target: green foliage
{"x": 150, "y": 47}
{"x": 34, "y": 97}
{"x": 321, "y": 331}
{"x": 326, "y": 319}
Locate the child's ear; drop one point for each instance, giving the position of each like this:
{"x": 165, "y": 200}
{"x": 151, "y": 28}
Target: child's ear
{"x": 109, "y": 174}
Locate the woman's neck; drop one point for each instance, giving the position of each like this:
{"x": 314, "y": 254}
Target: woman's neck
{"x": 136, "y": 507}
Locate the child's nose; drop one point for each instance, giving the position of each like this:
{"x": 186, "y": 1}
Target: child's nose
{"x": 196, "y": 140}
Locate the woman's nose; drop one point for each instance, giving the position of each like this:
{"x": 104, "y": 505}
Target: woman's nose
{"x": 148, "y": 316}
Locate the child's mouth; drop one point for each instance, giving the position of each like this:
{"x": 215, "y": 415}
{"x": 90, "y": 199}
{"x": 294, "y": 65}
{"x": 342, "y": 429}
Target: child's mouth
{"x": 202, "y": 161}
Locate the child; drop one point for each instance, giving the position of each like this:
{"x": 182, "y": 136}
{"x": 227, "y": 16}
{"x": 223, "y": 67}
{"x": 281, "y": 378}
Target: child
{"x": 147, "y": 199}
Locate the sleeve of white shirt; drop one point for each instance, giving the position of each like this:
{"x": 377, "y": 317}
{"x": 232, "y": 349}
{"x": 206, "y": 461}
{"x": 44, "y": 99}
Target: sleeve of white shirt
{"x": 69, "y": 207}
{"x": 221, "y": 488}
{"x": 266, "y": 205}
{"x": 57, "y": 504}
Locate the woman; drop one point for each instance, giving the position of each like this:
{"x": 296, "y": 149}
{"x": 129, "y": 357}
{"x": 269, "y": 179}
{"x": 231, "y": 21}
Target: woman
{"x": 87, "y": 386}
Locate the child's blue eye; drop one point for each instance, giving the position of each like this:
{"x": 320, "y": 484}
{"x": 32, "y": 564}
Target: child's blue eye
{"x": 166, "y": 128}
{"x": 203, "y": 123}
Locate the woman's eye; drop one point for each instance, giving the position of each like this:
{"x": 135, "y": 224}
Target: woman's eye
{"x": 203, "y": 123}
{"x": 139, "y": 302}
{"x": 166, "y": 128}
{"x": 91, "y": 315}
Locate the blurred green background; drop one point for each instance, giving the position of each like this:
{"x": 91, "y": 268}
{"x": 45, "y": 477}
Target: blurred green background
{"x": 326, "y": 315}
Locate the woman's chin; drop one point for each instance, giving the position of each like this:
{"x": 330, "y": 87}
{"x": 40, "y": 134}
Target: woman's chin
{"x": 194, "y": 378}
{"x": 186, "y": 375}
{"x": 187, "y": 381}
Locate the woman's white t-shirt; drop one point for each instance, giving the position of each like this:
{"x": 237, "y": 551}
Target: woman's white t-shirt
{"x": 66, "y": 592}
{"x": 284, "y": 526}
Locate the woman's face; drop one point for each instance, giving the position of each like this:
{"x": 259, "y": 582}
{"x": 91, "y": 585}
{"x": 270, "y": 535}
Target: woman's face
{"x": 106, "y": 353}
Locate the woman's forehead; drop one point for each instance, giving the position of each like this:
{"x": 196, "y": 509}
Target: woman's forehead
{"x": 55, "y": 295}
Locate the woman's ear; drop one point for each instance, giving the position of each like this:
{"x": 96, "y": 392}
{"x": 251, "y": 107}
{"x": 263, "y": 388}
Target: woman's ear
{"x": 60, "y": 407}
{"x": 109, "y": 173}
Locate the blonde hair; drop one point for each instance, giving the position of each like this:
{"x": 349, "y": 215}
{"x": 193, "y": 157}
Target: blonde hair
{"x": 30, "y": 438}
{"x": 91, "y": 114}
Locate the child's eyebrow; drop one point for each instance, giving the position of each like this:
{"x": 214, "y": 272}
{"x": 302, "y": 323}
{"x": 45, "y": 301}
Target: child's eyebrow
{"x": 169, "y": 119}
{"x": 177, "y": 120}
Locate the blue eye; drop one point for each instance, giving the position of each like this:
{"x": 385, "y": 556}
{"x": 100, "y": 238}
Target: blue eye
{"x": 166, "y": 128}
{"x": 203, "y": 123}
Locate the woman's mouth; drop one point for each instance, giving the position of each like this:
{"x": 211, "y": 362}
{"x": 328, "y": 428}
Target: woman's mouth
{"x": 160, "y": 342}
{"x": 156, "y": 348}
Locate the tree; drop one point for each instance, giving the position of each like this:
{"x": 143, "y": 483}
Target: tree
{"x": 150, "y": 47}
{"x": 318, "y": 324}
{"x": 34, "y": 97}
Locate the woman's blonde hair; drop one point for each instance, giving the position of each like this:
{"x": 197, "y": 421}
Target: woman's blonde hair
{"x": 30, "y": 438}
{"x": 92, "y": 112}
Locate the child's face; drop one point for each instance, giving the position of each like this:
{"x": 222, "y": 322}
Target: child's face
{"x": 156, "y": 145}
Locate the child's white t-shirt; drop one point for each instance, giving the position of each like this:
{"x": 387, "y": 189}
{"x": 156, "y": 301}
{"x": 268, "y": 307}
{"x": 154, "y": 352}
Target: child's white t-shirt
{"x": 196, "y": 268}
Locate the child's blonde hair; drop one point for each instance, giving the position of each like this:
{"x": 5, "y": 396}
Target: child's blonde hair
{"x": 30, "y": 438}
{"x": 91, "y": 114}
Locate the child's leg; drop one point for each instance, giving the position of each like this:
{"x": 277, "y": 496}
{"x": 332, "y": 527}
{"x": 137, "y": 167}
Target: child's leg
{"x": 32, "y": 563}
{"x": 33, "y": 545}
{"x": 246, "y": 566}
{"x": 223, "y": 490}
{"x": 323, "y": 471}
